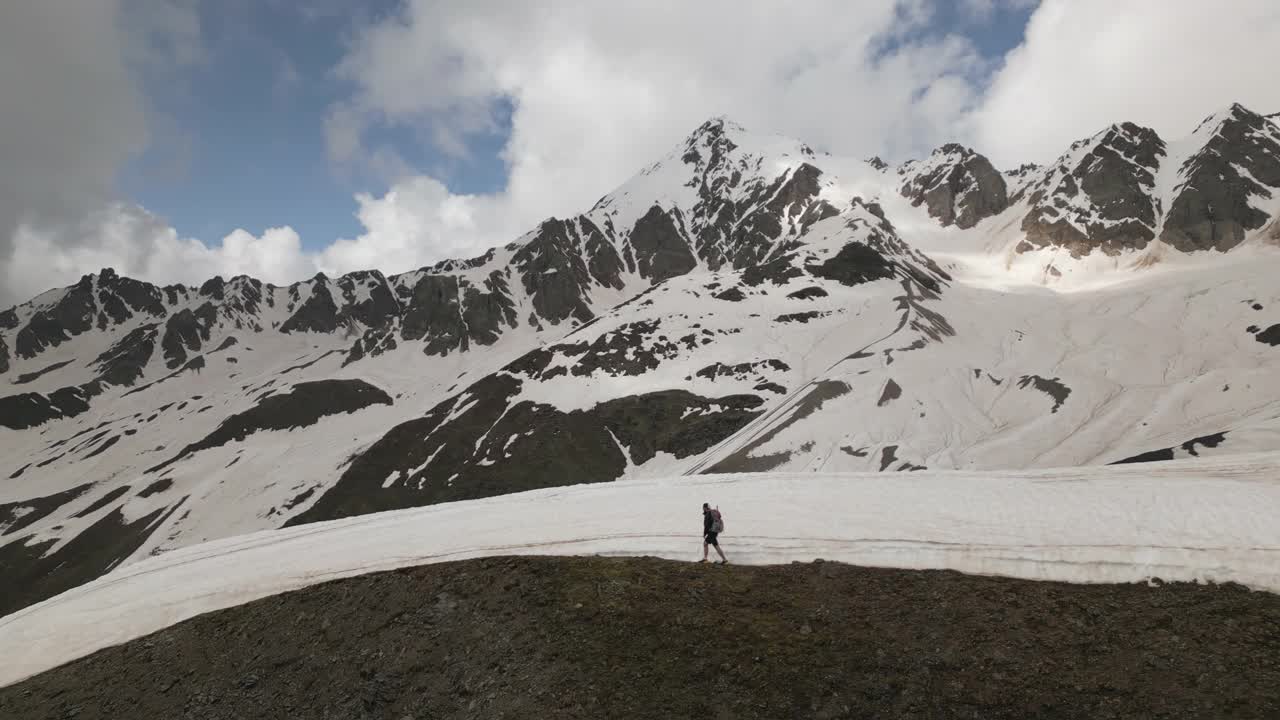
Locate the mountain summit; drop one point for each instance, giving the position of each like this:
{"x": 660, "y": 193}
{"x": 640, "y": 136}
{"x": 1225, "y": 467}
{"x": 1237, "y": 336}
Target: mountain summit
{"x": 742, "y": 304}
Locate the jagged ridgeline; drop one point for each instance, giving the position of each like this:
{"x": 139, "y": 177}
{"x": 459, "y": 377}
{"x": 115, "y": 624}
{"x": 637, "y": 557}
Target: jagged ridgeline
{"x": 745, "y": 303}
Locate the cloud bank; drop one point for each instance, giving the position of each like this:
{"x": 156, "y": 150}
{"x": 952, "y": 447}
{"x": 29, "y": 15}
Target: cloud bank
{"x": 595, "y": 92}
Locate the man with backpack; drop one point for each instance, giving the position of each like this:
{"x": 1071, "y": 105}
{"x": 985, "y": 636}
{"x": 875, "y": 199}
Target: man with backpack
{"x": 712, "y": 526}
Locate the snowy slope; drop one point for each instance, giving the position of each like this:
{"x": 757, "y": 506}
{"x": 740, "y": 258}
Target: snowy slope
{"x": 743, "y": 304}
{"x": 1196, "y": 520}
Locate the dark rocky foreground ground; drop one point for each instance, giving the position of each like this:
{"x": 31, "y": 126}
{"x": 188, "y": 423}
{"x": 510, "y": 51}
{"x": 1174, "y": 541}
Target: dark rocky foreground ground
{"x": 645, "y": 638}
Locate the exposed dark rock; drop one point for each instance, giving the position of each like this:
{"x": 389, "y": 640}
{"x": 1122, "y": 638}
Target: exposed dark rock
{"x": 15, "y": 516}
{"x": 957, "y": 185}
{"x": 741, "y": 370}
{"x": 1240, "y": 162}
{"x": 110, "y": 497}
{"x": 631, "y": 349}
{"x": 195, "y": 364}
{"x": 106, "y": 445}
{"x": 32, "y": 576}
{"x": 733, "y": 294}
{"x": 742, "y": 460}
{"x": 374, "y": 342}
{"x": 1051, "y": 387}
{"x": 246, "y": 296}
{"x": 660, "y": 248}
{"x": 4, "y": 356}
{"x": 213, "y": 288}
{"x": 71, "y": 315}
{"x": 125, "y": 362}
{"x": 531, "y": 364}
{"x": 433, "y": 314}
{"x": 318, "y": 313}
{"x": 888, "y": 454}
{"x": 1190, "y": 447}
{"x": 674, "y": 421}
{"x": 746, "y": 232}
{"x": 230, "y": 341}
{"x": 8, "y": 319}
{"x": 28, "y": 410}
{"x": 309, "y": 363}
{"x": 482, "y": 443}
{"x": 553, "y": 271}
{"x": 155, "y": 488}
{"x": 485, "y": 313}
{"x": 892, "y": 391}
{"x": 1102, "y": 202}
{"x": 875, "y": 162}
{"x": 801, "y": 317}
{"x": 183, "y": 331}
{"x": 303, "y": 405}
{"x": 603, "y": 261}
{"x": 137, "y": 295}
{"x": 808, "y": 293}
{"x": 375, "y": 310}
{"x": 778, "y": 271}
{"x": 1270, "y": 336}
{"x": 25, "y": 378}
{"x": 855, "y": 264}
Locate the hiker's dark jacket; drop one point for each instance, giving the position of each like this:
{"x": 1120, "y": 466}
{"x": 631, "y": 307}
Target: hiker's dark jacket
{"x": 708, "y": 522}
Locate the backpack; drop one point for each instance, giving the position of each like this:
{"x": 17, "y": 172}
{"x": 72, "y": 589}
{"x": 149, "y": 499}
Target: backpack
{"x": 717, "y": 525}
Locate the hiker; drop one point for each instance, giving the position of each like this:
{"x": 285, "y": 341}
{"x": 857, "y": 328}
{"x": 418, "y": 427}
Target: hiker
{"x": 712, "y": 526}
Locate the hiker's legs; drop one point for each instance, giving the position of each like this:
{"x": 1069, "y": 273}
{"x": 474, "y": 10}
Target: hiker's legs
{"x": 705, "y": 545}
{"x": 721, "y": 552}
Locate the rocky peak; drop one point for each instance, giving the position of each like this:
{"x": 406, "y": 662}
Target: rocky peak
{"x": 1223, "y": 183}
{"x": 958, "y": 186}
{"x": 1098, "y": 195}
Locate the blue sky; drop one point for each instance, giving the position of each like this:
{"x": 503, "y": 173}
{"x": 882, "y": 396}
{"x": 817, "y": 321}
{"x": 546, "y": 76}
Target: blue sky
{"x": 237, "y": 141}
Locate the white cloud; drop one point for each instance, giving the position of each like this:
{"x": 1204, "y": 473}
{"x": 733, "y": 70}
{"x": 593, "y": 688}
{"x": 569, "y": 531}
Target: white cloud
{"x": 416, "y": 222}
{"x": 600, "y": 90}
{"x": 1088, "y": 63}
{"x": 597, "y": 91}
{"x": 71, "y": 114}
{"x": 140, "y": 245}
{"x": 69, "y": 111}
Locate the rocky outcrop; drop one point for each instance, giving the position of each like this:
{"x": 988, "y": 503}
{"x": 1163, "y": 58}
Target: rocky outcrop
{"x": 28, "y": 410}
{"x": 433, "y": 313}
{"x": 554, "y": 270}
{"x": 486, "y": 313}
{"x": 119, "y": 298}
{"x": 125, "y": 362}
{"x": 482, "y": 443}
{"x": 71, "y": 315}
{"x": 1099, "y": 195}
{"x": 213, "y": 288}
{"x": 4, "y": 356}
{"x": 367, "y": 298}
{"x": 741, "y": 224}
{"x": 957, "y": 185}
{"x": 303, "y": 405}
{"x": 318, "y": 313}
{"x": 1221, "y": 184}
{"x": 186, "y": 331}
{"x": 449, "y": 314}
{"x": 659, "y": 247}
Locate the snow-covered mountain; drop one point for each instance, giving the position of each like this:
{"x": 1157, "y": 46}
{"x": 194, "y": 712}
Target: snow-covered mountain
{"x": 744, "y": 304}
